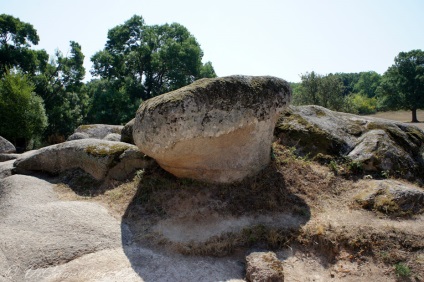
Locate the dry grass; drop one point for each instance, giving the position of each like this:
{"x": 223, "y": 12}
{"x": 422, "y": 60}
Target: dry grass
{"x": 403, "y": 116}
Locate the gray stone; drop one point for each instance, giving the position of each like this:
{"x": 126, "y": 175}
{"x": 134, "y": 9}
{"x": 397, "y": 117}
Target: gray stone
{"x": 6, "y": 168}
{"x": 127, "y": 132}
{"x": 392, "y": 197}
{"x": 113, "y": 137}
{"x": 38, "y": 230}
{"x": 216, "y": 130}
{"x": 8, "y": 157}
{"x": 96, "y": 157}
{"x": 379, "y": 144}
{"x": 264, "y": 267}
{"x": 97, "y": 131}
{"x": 6, "y": 146}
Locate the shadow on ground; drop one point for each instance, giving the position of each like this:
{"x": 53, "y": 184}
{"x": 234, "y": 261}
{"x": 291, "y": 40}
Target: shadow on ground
{"x": 180, "y": 229}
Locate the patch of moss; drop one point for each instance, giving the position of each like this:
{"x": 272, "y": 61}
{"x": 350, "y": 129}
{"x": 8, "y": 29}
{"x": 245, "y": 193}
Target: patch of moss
{"x": 85, "y": 127}
{"x": 104, "y": 149}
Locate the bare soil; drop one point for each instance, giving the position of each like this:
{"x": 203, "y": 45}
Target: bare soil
{"x": 301, "y": 209}
{"x": 403, "y": 116}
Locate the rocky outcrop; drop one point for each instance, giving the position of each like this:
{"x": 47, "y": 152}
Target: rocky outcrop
{"x": 96, "y": 131}
{"x": 216, "y": 130}
{"x": 101, "y": 159}
{"x": 127, "y": 132}
{"x": 38, "y": 230}
{"x": 264, "y": 267}
{"x": 378, "y": 144}
{"x": 6, "y": 168}
{"x": 6, "y": 146}
{"x": 392, "y": 197}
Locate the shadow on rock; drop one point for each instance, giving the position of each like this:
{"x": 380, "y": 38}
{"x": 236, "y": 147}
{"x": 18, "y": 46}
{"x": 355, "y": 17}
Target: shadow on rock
{"x": 190, "y": 220}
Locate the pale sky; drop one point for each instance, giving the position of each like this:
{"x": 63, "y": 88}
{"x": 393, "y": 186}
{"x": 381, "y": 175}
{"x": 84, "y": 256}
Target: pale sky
{"x": 268, "y": 37}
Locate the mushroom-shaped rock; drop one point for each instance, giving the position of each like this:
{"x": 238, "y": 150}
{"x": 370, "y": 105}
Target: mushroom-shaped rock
{"x": 214, "y": 130}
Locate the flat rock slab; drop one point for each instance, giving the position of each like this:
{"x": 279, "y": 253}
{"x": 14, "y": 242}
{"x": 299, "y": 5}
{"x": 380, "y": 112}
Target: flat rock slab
{"x": 215, "y": 130}
{"x": 38, "y": 230}
{"x": 100, "y": 158}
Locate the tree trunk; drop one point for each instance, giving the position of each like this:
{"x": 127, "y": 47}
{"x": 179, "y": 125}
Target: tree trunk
{"x": 414, "y": 115}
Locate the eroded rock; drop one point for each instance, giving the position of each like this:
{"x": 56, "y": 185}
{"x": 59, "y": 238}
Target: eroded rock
{"x": 216, "y": 130}
{"x": 378, "y": 144}
{"x": 6, "y": 146}
{"x": 264, "y": 267}
{"x": 392, "y": 197}
{"x": 100, "y": 158}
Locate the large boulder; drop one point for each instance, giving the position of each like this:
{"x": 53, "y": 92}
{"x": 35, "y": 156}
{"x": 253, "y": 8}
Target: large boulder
{"x": 96, "y": 131}
{"x": 378, "y": 144}
{"x": 100, "y": 158}
{"x": 6, "y": 146}
{"x": 216, "y": 130}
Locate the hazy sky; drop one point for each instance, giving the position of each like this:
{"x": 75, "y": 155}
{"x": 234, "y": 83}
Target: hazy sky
{"x": 267, "y": 37}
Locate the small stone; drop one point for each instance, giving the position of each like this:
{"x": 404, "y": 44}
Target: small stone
{"x": 264, "y": 267}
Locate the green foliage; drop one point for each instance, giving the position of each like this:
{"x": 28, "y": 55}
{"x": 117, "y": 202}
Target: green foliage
{"x": 60, "y": 85}
{"x": 402, "y": 85}
{"x": 402, "y": 270}
{"x": 15, "y": 39}
{"x": 358, "y": 103}
{"x": 316, "y": 89}
{"x": 367, "y": 84}
{"x": 22, "y": 114}
{"x": 108, "y": 104}
{"x": 150, "y": 60}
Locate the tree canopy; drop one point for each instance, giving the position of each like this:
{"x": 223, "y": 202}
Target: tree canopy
{"x": 402, "y": 85}
{"x": 150, "y": 60}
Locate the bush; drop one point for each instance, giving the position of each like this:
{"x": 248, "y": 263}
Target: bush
{"x": 22, "y": 113}
{"x": 358, "y": 103}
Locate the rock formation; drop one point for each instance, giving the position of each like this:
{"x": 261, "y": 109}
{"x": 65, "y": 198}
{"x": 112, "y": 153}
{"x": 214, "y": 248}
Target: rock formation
{"x": 97, "y": 131}
{"x": 378, "y": 144}
{"x": 216, "y": 130}
{"x": 6, "y": 146}
{"x": 127, "y": 132}
{"x": 100, "y": 158}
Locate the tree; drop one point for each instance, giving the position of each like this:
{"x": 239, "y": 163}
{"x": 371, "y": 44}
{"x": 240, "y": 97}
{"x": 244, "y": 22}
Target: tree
{"x": 326, "y": 91}
{"x": 150, "y": 60}
{"x": 22, "y": 114}
{"x": 16, "y": 38}
{"x": 367, "y": 84}
{"x": 402, "y": 85}
{"x": 61, "y": 86}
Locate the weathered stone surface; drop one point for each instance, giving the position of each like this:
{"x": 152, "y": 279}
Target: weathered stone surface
{"x": 6, "y": 168}
{"x": 97, "y": 131}
{"x": 6, "y": 146}
{"x": 8, "y": 157}
{"x": 379, "y": 144}
{"x": 100, "y": 158}
{"x": 217, "y": 130}
{"x": 113, "y": 137}
{"x": 392, "y": 197}
{"x": 38, "y": 230}
{"x": 264, "y": 267}
{"x": 127, "y": 132}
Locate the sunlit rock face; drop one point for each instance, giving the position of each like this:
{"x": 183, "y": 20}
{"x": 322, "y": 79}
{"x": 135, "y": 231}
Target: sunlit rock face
{"x": 214, "y": 130}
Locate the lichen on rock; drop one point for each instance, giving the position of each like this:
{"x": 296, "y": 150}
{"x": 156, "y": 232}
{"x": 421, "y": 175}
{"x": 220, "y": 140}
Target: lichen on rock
{"x": 217, "y": 130}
